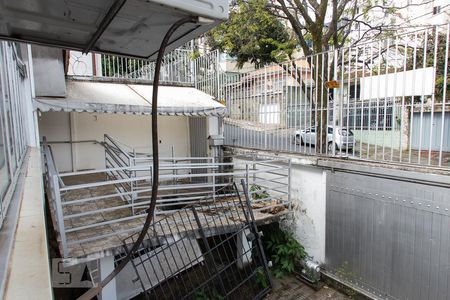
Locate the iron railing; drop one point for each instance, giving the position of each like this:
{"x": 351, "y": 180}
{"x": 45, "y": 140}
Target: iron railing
{"x": 208, "y": 74}
{"x": 84, "y": 203}
{"x": 385, "y": 100}
{"x": 177, "y": 67}
{"x": 211, "y": 251}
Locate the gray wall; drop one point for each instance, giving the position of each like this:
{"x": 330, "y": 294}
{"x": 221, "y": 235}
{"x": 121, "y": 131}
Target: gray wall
{"x": 48, "y": 69}
{"x": 389, "y": 236}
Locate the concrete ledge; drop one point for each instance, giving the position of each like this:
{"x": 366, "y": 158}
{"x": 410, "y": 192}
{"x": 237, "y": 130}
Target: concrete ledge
{"x": 391, "y": 172}
{"x": 425, "y": 174}
{"x": 29, "y": 269}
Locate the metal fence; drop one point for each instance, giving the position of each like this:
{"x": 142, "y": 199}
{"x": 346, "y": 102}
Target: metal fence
{"x": 209, "y": 252}
{"x": 177, "y": 67}
{"x": 208, "y": 74}
{"x": 385, "y": 100}
{"x": 85, "y": 203}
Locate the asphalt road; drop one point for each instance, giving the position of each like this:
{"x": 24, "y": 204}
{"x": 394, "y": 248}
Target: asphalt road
{"x": 275, "y": 140}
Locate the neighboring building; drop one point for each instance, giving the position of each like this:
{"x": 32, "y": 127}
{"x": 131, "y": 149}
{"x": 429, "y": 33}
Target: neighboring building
{"x": 266, "y": 97}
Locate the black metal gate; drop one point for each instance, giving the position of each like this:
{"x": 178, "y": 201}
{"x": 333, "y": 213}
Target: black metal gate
{"x": 208, "y": 251}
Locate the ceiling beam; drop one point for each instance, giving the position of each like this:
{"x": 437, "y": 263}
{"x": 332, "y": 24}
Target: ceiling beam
{"x": 107, "y": 19}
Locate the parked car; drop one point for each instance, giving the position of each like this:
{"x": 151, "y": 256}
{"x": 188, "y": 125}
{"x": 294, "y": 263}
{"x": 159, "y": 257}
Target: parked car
{"x": 343, "y": 139}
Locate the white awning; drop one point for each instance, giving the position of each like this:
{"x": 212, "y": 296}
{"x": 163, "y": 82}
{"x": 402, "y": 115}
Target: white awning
{"x": 117, "y": 98}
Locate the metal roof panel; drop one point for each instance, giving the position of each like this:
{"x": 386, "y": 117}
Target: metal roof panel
{"x": 136, "y": 30}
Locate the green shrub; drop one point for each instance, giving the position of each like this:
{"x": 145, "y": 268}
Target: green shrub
{"x": 285, "y": 251}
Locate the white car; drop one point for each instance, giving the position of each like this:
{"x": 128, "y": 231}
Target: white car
{"x": 343, "y": 139}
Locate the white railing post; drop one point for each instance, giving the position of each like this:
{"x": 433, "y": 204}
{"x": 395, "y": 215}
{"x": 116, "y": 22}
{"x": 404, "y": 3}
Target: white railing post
{"x": 59, "y": 212}
{"x": 214, "y": 178}
{"x": 289, "y": 184}
{"x": 246, "y": 180}
{"x": 264, "y": 112}
{"x": 195, "y": 73}
{"x": 218, "y": 73}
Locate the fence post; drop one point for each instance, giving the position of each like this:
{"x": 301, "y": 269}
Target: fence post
{"x": 218, "y": 73}
{"x": 289, "y": 184}
{"x": 132, "y": 176}
{"x": 254, "y": 167}
{"x": 247, "y": 176}
{"x": 59, "y": 212}
{"x": 214, "y": 178}
{"x": 265, "y": 107}
{"x": 195, "y": 73}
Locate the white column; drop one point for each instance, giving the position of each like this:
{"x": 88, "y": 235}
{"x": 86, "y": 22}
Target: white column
{"x": 243, "y": 249}
{"x": 106, "y": 267}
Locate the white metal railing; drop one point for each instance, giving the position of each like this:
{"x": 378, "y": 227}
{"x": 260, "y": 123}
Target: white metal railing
{"x": 53, "y": 184}
{"x": 208, "y": 73}
{"x": 385, "y": 100}
{"x": 87, "y": 201}
{"x": 177, "y": 67}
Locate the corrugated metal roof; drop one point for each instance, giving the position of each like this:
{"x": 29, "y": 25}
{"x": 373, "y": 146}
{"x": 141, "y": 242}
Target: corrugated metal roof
{"x": 133, "y": 27}
{"x": 101, "y": 97}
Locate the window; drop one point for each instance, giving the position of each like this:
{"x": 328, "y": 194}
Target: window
{"x": 355, "y": 93}
{"x": 436, "y": 10}
{"x": 13, "y": 142}
{"x": 4, "y": 173}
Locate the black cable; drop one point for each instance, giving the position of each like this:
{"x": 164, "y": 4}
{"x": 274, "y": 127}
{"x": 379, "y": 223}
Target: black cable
{"x": 155, "y": 147}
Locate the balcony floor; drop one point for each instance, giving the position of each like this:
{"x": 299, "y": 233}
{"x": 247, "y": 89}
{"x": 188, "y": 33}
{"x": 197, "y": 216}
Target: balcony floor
{"x": 108, "y": 239}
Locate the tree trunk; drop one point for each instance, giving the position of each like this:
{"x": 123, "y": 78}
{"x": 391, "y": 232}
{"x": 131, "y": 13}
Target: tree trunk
{"x": 319, "y": 69}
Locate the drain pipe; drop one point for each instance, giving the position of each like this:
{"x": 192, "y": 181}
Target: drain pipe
{"x": 155, "y": 147}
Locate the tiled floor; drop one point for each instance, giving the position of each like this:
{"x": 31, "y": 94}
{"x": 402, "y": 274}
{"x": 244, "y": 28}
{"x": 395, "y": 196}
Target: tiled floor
{"x": 99, "y": 236}
{"x": 290, "y": 288}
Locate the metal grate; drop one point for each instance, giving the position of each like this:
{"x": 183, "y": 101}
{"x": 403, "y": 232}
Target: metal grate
{"x": 210, "y": 251}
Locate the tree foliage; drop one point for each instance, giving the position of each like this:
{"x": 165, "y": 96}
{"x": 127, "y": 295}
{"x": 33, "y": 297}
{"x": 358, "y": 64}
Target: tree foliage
{"x": 252, "y": 34}
{"x": 431, "y": 52}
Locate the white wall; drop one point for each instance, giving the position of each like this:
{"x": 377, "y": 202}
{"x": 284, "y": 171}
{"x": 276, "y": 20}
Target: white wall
{"x": 83, "y": 64}
{"x": 308, "y": 194}
{"x": 132, "y": 130}
{"x": 410, "y": 83}
{"x": 56, "y": 127}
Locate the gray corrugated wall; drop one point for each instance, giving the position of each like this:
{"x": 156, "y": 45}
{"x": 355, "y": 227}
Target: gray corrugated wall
{"x": 391, "y": 237}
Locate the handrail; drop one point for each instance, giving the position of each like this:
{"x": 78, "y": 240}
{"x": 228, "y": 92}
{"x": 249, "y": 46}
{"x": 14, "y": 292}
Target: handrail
{"x": 109, "y": 138}
{"x": 53, "y": 182}
{"x": 132, "y": 183}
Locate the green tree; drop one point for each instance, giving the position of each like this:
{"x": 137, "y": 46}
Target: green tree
{"x": 430, "y": 51}
{"x": 252, "y": 34}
